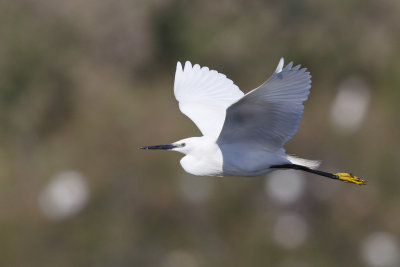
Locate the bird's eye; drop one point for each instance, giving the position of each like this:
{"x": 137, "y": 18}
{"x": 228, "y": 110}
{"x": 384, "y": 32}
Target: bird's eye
{"x": 183, "y": 145}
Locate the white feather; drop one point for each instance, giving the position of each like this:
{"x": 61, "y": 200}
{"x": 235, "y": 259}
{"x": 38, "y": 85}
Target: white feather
{"x": 204, "y": 95}
{"x": 268, "y": 116}
{"x": 313, "y": 164}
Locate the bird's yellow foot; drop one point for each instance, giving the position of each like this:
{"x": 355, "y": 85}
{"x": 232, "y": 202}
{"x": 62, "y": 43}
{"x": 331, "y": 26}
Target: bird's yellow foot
{"x": 349, "y": 178}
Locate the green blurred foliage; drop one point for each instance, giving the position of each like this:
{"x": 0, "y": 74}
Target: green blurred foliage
{"x": 83, "y": 84}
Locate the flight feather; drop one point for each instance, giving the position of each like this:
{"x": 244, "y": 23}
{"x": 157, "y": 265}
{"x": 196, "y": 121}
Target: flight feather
{"x": 204, "y": 95}
{"x": 268, "y": 116}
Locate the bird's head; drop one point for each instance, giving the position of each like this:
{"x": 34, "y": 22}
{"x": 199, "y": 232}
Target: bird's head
{"x": 184, "y": 146}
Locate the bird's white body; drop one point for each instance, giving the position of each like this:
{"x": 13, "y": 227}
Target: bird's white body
{"x": 243, "y": 134}
{"x": 204, "y": 157}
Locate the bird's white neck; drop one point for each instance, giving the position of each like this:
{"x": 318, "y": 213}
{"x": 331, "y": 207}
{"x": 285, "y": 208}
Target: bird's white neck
{"x": 203, "y": 156}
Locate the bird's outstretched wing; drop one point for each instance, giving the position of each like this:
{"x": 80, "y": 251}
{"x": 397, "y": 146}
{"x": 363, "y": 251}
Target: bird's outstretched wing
{"x": 204, "y": 96}
{"x": 268, "y": 116}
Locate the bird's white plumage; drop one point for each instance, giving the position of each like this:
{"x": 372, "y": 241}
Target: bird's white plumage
{"x": 243, "y": 135}
{"x": 280, "y": 65}
{"x": 268, "y": 116}
{"x": 204, "y": 95}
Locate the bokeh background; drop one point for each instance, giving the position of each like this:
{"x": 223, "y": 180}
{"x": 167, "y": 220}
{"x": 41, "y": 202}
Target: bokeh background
{"x": 83, "y": 84}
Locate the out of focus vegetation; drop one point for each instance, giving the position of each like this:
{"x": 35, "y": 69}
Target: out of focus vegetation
{"x": 83, "y": 84}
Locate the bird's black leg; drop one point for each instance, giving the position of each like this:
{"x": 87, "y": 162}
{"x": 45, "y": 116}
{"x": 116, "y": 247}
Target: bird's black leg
{"x": 344, "y": 177}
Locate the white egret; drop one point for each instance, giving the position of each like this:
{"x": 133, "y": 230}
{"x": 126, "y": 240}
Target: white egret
{"x": 243, "y": 134}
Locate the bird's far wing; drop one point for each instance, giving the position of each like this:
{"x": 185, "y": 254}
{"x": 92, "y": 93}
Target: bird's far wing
{"x": 268, "y": 116}
{"x": 204, "y": 96}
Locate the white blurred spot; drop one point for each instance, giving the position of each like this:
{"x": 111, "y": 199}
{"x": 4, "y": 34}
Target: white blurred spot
{"x": 380, "y": 249}
{"x": 196, "y": 189}
{"x": 350, "y": 105}
{"x": 290, "y": 231}
{"x": 65, "y": 195}
{"x": 180, "y": 258}
{"x": 285, "y": 186}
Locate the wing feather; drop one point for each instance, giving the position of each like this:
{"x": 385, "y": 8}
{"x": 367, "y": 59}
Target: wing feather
{"x": 204, "y": 96}
{"x": 268, "y": 116}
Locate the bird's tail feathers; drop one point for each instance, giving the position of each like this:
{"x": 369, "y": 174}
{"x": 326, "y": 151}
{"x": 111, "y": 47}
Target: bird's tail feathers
{"x": 312, "y": 164}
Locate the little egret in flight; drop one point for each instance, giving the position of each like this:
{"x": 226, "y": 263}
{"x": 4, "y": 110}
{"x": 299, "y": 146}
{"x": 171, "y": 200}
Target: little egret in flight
{"x": 243, "y": 134}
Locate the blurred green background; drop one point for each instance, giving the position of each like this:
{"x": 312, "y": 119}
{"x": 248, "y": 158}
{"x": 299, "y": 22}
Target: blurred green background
{"x": 83, "y": 84}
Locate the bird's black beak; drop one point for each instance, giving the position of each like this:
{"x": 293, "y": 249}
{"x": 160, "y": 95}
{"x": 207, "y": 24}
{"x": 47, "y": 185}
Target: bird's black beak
{"x": 169, "y": 146}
